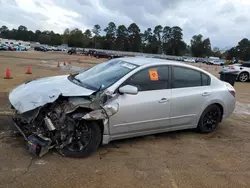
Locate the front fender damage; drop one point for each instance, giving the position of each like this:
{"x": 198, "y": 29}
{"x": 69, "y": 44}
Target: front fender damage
{"x": 52, "y": 125}
{"x": 104, "y": 113}
{"x": 100, "y": 106}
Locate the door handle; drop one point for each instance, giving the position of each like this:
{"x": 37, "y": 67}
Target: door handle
{"x": 163, "y": 100}
{"x": 206, "y": 94}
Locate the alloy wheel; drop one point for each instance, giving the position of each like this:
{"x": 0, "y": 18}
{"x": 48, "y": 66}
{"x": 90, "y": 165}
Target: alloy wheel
{"x": 243, "y": 77}
{"x": 211, "y": 119}
{"x": 81, "y": 137}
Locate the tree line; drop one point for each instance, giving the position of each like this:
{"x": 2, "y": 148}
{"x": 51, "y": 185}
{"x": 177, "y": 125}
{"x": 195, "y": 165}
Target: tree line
{"x": 157, "y": 40}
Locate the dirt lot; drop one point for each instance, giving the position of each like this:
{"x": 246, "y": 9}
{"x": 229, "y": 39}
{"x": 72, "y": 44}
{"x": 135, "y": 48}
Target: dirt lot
{"x": 177, "y": 160}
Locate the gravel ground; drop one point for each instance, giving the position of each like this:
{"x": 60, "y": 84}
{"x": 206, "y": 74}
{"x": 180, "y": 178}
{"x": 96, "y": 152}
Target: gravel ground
{"x": 179, "y": 159}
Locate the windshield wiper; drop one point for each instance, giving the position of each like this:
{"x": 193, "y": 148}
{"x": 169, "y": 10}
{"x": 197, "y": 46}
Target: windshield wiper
{"x": 73, "y": 76}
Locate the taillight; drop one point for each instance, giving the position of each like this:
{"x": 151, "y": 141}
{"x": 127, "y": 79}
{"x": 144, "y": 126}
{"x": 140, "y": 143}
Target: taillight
{"x": 232, "y": 92}
{"x": 231, "y": 89}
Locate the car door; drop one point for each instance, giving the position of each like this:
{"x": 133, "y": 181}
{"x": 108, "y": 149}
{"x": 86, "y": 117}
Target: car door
{"x": 149, "y": 109}
{"x": 190, "y": 93}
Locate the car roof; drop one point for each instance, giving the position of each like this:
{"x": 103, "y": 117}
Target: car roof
{"x": 140, "y": 61}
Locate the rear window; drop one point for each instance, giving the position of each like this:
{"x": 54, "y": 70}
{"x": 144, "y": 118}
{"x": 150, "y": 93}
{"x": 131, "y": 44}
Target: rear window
{"x": 205, "y": 79}
{"x": 185, "y": 77}
{"x": 245, "y": 65}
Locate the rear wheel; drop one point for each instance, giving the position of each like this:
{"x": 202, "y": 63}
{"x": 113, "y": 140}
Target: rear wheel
{"x": 85, "y": 140}
{"x": 243, "y": 77}
{"x": 209, "y": 119}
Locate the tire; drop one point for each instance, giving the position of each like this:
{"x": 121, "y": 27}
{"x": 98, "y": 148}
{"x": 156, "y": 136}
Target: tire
{"x": 243, "y": 77}
{"x": 209, "y": 119}
{"x": 91, "y": 147}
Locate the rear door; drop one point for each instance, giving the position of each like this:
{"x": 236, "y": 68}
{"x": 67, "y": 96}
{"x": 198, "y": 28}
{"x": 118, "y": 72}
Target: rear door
{"x": 190, "y": 93}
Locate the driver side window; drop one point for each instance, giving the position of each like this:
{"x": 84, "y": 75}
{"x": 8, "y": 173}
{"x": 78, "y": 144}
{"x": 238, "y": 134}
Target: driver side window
{"x": 152, "y": 78}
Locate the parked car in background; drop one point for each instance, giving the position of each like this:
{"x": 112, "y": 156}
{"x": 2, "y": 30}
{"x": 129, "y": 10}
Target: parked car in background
{"x": 191, "y": 60}
{"x": 102, "y": 55}
{"x": 72, "y": 51}
{"x": 115, "y": 56}
{"x": 198, "y": 60}
{"x": 11, "y": 48}
{"x": 40, "y": 48}
{"x": 76, "y": 51}
{"x": 117, "y": 99}
{"x": 47, "y": 47}
{"x": 60, "y": 48}
{"x": 212, "y": 60}
{"x": 53, "y": 48}
{"x": 243, "y": 71}
{"x": 217, "y": 62}
{"x": 19, "y": 48}
{"x": 205, "y": 60}
{"x": 57, "y": 49}
{"x": 105, "y": 55}
{"x": 4, "y": 47}
{"x": 91, "y": 52}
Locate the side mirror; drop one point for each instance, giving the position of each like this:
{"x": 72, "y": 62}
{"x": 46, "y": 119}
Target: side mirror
{"x": 128, "y": 89}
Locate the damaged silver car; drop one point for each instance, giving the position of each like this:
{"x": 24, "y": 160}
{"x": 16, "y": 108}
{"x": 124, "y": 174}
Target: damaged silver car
{"x": 117, "y": 99}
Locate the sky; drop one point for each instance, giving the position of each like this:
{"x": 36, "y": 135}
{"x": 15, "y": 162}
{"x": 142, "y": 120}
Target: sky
{"x": 225, "y": 22}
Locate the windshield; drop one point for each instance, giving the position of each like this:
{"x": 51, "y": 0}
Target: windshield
{"x": 105, "y": 74}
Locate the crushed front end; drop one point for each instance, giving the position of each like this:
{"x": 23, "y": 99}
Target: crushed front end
{"x": 36, "y": 132}
{"x": 59, "y": 123}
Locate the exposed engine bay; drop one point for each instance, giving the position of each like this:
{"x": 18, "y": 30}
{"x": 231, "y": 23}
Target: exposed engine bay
{"x": 64, "y": 123}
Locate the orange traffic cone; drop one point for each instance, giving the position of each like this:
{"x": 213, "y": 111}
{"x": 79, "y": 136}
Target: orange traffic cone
{"x": 8, "y": 75}
{"x": 58, "y": 64}
{"x": 64, "y": 63}
{"x": 29, "y": 70}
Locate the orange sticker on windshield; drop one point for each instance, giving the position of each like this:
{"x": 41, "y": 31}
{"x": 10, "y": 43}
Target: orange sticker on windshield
{"x": 153, "y": 75}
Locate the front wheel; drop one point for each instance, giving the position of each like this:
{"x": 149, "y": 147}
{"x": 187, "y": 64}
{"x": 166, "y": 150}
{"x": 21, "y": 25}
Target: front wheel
{"x": 209, "y": 119}
{"x": 85, "y": 140}
{"x": 243, "y": 77}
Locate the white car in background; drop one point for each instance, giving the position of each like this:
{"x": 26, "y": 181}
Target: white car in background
{"x": 218, "y": 62}
{"x": 191, "y": 60}
{"x": 243, "y": 71}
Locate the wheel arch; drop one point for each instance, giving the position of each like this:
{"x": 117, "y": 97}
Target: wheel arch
{"x": 221, "y": 109}
{"x": 245, "y": 72}
{"x": 215, "y": 102}
{"x": 202, "y": 126}
{"x": 102, "y": 123}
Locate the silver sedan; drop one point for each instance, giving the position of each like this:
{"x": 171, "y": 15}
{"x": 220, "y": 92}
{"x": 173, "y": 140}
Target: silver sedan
{"x": 120, "y": 98}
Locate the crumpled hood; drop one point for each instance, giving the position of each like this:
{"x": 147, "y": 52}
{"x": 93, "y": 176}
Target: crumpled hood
{"x": 35, "y": 93}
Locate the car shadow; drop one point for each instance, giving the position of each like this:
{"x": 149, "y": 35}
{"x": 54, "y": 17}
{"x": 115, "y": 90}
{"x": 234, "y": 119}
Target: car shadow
{"x": 174, "y": 135}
